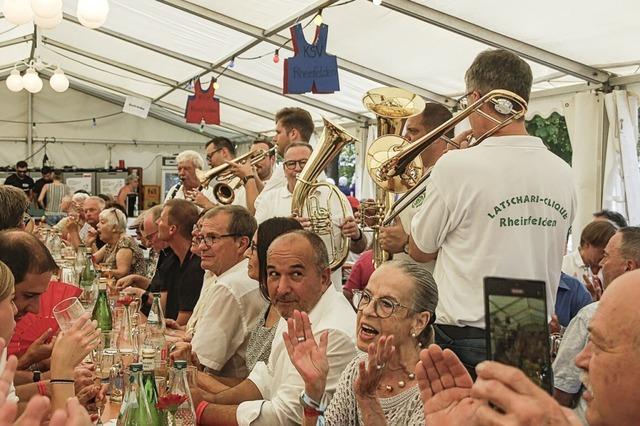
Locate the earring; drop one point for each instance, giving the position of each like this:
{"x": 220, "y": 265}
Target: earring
{"x": 413, "y": 334}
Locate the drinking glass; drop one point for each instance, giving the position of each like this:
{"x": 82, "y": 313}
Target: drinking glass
{"x": 67, "y": 311}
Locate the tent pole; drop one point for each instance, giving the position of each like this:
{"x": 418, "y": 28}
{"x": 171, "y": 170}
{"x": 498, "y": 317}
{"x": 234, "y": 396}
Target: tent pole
{"x": 29, "y": 124}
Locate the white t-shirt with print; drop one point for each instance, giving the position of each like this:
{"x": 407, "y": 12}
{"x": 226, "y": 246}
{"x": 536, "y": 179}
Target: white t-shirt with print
{"x": 502, "y": 208}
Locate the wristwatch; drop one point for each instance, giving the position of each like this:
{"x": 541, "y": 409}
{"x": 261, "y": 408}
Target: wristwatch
{"x": 36, "y": 376}
{"x": 246, "y": 178}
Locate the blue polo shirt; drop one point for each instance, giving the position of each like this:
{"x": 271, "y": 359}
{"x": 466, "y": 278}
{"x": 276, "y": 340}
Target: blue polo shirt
{"x": 572, "y": 296}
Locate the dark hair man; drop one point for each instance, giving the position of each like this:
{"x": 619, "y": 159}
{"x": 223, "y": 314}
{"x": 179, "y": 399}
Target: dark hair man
{"x": 611, "y": 216}
{"x": 13, "y": 206}
{"x": 219, "y": 150}
{"x": 47, "y": 177}
{"x": 20, "y": 179}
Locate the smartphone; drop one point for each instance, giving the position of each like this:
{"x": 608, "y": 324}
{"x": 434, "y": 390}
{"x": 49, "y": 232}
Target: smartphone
{"x": 517, "y": 331}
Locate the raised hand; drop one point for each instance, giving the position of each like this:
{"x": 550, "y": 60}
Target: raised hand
{"x": 309, "y": 358}
{"x": 40, "y": 349}
{"x": 370, "y": 373}
{"x": 445, "y": 387}
{"x": 594, "y": 286}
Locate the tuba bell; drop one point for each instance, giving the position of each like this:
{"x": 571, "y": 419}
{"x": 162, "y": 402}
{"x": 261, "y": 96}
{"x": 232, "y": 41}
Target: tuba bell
{"x": 306, "y": 201}
{"x": 392, "y": 107}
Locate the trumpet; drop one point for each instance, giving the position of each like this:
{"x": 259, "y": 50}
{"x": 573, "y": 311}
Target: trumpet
{"x": 398, "y": 173}
{"x": 227, "y": 182}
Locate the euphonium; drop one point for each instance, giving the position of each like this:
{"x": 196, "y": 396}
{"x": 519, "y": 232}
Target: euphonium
{"x": 307, "y": 203}
{"x": 227, "y": 182}
{"x": 392, "y": 107}
{"x": 390, "y": 174}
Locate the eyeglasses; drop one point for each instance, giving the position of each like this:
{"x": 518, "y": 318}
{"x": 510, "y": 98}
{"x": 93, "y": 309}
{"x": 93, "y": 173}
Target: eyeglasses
{"x": 209, "y": 155}
{"x": 149, "y": 236}
{"x": 291, "y": 164}
{"x": 384, "y": 307}
{"x": 210, "y": 240}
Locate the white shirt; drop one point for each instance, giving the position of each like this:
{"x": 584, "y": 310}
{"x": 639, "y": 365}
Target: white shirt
{"x": 180, "y": 195}
{"x": 203, "y": 302}
{"x": 276, "y": 181}
{"x": 502, "y": 208}
{"x": 11, "y": 395}
{"x": 234, "y": 305}
{"x": 573, "y": 265}
{"x": 277, "y": 203}
{"x": 278, "y": 381}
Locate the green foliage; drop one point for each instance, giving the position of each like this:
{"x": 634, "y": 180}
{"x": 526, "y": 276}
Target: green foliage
{"x": 347, "y": 162}
{"x": 553, "y": 131}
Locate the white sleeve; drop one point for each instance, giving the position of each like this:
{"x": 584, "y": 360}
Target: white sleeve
{"x": 432, "y": 222}
{"x": 220, "y": 330}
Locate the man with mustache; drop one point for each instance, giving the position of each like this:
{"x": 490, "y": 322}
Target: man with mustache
{"x": 298, "y": 278}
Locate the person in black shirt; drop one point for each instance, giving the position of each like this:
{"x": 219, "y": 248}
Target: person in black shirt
{"x": 20, "y": 179}
{"x": 47, "y": 177}
{"x": 182, "y": 274}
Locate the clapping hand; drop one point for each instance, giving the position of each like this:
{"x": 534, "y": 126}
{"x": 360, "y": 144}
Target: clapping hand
{"x": 594, "y": 286}
{"x": 370, "y": 372}
{"x": 307, "y": 356}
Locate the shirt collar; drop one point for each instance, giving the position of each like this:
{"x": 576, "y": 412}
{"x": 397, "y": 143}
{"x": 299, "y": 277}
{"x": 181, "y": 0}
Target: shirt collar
{"x": 243, "y": 264}
{"x": 517, "y": 141}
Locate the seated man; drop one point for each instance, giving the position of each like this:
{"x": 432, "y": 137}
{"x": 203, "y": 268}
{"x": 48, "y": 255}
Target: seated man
{"x": 13, "y": 207}
{"x": 234, "y": 302}
{"x": 572, "y": 296}
{"x": 298, "y": 278}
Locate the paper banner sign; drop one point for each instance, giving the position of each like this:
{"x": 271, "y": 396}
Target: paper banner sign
{"x": 310, "y": 69}
{"x": 202, "y": 105}
{"x": 136, "y": 106}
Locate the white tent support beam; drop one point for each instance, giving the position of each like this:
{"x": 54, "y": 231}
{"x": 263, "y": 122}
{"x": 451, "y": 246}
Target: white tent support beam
{"x": 278, "y": 40}
{"x": 306, "y": 12}
{"x": 620, "y": 81}
{"x": 149, "y": 75}
{"x": 158, "y": 111}
{"x": 97, "y": 141}
{"x": 492, "y": 38}
{"x": 17, "y": 40}
{"x": 207, "y": 65}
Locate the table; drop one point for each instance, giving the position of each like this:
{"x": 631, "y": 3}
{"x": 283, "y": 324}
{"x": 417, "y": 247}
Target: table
{"x": 110, "y": 412}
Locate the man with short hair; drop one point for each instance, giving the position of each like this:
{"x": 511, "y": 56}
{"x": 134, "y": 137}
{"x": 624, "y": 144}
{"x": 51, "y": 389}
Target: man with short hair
{"x": 219, "y": 150}
{"x": 488, "y": 211}
{"x": 183, "y": 274}
{"x": 47, "y": 177}
{"x": 297, "y": 267}
{"x": 13, "y": 206}
{"x": 92, "y": 207}
{"x": 189, "y": 187}
{"x": 611, "y": 216}
{"x": 233, "y": 302}
{"x": 622, "y": 254}
{"x": 255, "y": 177}
{"x": 20, "y": 179}
{"x": 584, "y": 263}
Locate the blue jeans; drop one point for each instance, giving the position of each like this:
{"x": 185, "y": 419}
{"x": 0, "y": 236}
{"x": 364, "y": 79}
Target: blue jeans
{"x": 53, "y": 218}
{"x": 471, "y": 350}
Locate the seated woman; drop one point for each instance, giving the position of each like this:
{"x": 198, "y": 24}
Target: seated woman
{"x": 395, "y": 313}
{"x": 121, "y": 253}
{"x": 260, "y": 338}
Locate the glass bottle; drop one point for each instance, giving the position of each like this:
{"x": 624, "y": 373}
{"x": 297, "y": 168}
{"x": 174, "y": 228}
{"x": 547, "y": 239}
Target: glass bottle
{"x": 155, "y": 331}
{"x": 88, "y": 278}
{"x": 118, "y": 387}
{"x": 149, "y": 383}
{"x": 185, "y": 415}
{"x": 102, "y": 310}
{"x": 137, "y": 411}
{"x": 125, "y": 343}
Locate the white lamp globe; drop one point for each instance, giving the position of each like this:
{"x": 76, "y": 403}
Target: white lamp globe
{"x": 14, "y": 81}
{"x": 47, "y": 23}
{"x": 32, "y": 81}
{"x": 58, "y": 81}
{"x": 46, "y": 8}
{"x": 93, "y": 10}
{"x": 91, "y": 24}
{"x": 17, "y": 12}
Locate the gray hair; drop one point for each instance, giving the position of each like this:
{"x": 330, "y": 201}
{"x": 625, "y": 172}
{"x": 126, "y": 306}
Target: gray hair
{"x": 115, "y": 218}
{"x": 630, "y": 245}
{"x": 499, "y": 69}
{"x": 194, "y": 157}
{"x": 98, "y": 200}
{"x": 425, "y": 294}
{"x": 80, "y": 197}
{"x": 241, "y": 222}
{"x": 131, "y": 178}
{"x": 13, "y": 205}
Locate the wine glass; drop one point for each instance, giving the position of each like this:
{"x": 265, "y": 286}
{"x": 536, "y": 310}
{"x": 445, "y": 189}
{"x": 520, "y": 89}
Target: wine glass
{"x": 67, "y": 311}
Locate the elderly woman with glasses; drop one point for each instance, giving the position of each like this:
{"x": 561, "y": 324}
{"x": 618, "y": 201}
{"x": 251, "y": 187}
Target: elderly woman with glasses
{"x": 120, "y": 253}
{"x": 395, "y": 313}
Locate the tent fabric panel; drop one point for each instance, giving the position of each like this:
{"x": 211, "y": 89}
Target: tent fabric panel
{"x": 257, "y": 12}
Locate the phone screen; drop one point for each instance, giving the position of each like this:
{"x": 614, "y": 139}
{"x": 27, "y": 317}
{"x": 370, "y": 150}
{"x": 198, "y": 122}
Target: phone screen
{"x": 517, "y": 329}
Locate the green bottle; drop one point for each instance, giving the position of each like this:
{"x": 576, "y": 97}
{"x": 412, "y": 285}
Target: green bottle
{"x": 88, "y": 275}
{"x": 102, "y": 310}
{"x": 137, "y": 411}
{"x": 149, "y": 384}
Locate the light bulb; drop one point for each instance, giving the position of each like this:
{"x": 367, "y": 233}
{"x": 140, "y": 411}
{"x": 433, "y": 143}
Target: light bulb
{"x": 17, "y": 12}
{"x": 47, "y": 23}
{"x": 216, "y": 85}
{"x": 89, "y": 23}
{"x": 202, "y": 123}
{"x": 32, "y": 81}
{"x": 14, "y": 81}
{"x": 376, "y": 2}
{"x": 276, "y": 57}
{"x": 46, "y": 8}
{"x": 93, "y": 10}
{"x": 58, "y": 81}
{"x": 318, "y": 19}
{"x": 232, "y": 63}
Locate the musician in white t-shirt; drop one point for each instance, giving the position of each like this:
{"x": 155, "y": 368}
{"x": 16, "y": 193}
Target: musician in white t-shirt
{"x": 189, "y": 187}
{"x": 501, "y": 208}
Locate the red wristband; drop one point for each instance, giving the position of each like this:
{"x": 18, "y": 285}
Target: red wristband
{"x": 42, "y": 388}
{"x": 311, "y": 412}
{"x": 200, "y": 409}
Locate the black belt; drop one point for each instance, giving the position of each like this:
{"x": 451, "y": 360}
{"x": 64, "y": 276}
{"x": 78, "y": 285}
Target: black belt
{"x": 461, "y": 332}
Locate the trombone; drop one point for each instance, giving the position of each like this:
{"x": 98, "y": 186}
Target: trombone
{"x": 226, "y": 182}
{"x": 392, "y": 173}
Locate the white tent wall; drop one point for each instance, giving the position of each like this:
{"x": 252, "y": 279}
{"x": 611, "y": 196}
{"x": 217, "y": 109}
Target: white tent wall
{"x": 81, "y": 144}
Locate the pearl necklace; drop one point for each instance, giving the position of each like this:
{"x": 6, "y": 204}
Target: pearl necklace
{"x": 401, "y": 383}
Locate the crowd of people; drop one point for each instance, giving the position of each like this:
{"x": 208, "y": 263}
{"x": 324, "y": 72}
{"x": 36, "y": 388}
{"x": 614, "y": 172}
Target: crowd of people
{"x": 251, "y": 300}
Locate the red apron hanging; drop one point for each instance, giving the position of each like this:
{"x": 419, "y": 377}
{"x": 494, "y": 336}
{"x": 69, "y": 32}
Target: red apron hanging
{"x": 203, "y": 105}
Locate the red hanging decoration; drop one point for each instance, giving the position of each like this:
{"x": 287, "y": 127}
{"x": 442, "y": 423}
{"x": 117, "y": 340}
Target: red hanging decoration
{"x": 203, "y": 105}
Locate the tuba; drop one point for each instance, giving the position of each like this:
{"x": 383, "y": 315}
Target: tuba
{"x": 227, "y": 183}
{"x": 391, "y": 173}
{"x": 392, "y": 107}
{"x": 306, "y": 201}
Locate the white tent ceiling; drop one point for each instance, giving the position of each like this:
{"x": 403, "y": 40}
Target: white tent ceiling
{"x": 153, "y": 49}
